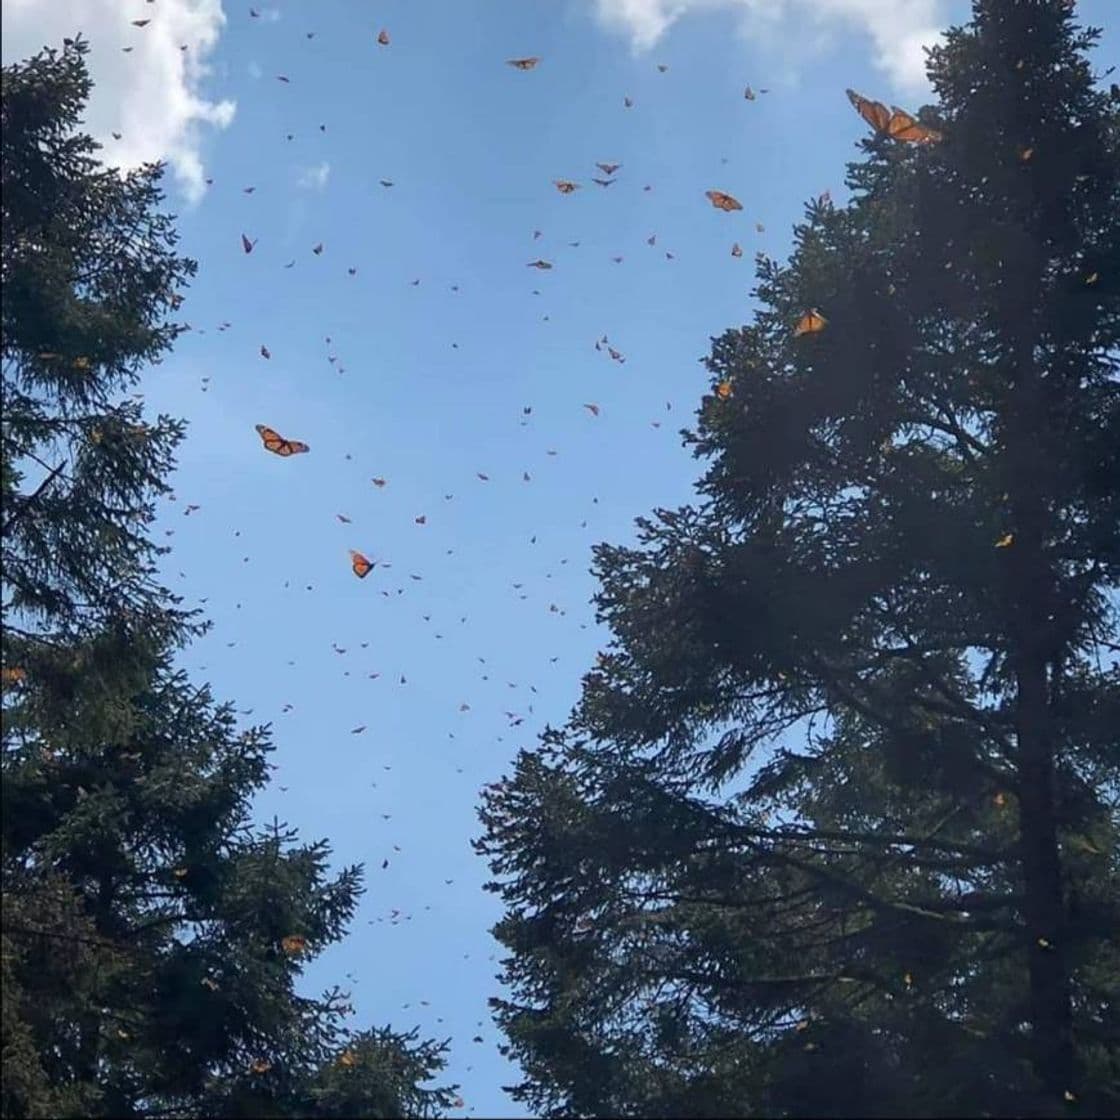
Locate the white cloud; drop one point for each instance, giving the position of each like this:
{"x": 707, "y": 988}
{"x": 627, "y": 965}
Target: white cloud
{"x": 315, "y": 178}
{"x": 152, "y": 95}
{"x": 898, "y": 29}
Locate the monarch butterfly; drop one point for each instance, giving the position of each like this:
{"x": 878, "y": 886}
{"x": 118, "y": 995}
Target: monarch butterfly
{"x": 12, "y": 674}
{"x": 362, "y": 566}
{"x": 736, "y": 250}
{"x": 749, "y": 94}
{"x": 723, "y": 201}
{"x": 608, "y": 168}
{"x": 278, "y": 445}
{"x": 346, "y": 1058}
{"x": 565, "y": 186}
{"x": 592, "y": 408}
{"x": 810, "y": 323}
{"x": 723, "y": 390}
{"x": 246, "y": 244}
{"x": 893, "y": 122}
{"x": 294, "y": 943}
{"x": 539, "y": 264}
{"x": 522, "y": 63}
{"x": 1006, "y": 541}
{"x": 260, "y": 1066}
{"x": 628, "y": 103}
{"x": 383, "y": 37}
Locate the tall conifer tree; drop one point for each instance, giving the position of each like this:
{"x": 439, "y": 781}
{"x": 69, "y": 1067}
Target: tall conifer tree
{"x": 152, "y": 937}
{"x": 904, "y": 560}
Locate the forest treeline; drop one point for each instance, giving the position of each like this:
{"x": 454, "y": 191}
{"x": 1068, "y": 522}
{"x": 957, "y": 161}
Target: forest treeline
{"x": 833, "y": 829}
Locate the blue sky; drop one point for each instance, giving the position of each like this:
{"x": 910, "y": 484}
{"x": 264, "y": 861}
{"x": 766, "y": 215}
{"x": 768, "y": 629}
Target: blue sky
{"x": 429, "y": 384}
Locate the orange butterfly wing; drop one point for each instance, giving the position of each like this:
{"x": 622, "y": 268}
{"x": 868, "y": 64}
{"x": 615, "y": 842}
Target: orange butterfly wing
{"x": 723, "y": 201}
{"x": 902, "y": 126}
{"x": 874, "y": 112}
{"x": 809, "y": 323}
{"x": 362, "y": 567}
{"x": 522, "y": 63}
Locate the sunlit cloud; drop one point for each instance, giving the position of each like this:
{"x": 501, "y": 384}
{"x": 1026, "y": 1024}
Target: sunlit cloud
{"x": 151, "y": 94}
{"x": 898, "y": 29}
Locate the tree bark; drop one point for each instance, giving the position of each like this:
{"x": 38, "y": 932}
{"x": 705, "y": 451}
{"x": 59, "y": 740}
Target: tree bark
{"x": 1032, "y": 639}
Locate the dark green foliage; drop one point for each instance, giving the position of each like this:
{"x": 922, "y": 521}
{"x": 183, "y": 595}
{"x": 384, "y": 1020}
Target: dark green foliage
{"x": 145, "y": 971}
{"x": 906, "y": 556}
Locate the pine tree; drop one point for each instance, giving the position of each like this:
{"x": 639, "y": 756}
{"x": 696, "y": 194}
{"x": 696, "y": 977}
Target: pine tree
{"x": 152, "y": 936}
{"x": 906, "y": 553}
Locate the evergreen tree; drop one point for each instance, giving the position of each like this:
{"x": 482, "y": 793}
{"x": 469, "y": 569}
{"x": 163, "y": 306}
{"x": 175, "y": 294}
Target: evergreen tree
{"x": 151, "y": 936}
{"x": 906, "y": 551}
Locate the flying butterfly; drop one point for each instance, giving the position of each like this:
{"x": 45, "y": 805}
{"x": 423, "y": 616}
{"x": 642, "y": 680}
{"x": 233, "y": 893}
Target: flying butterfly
{"x": 522, "y": 63}
{"x": 608, "y": 168}
{"x": 277, "y": 444}
{"x": 736, "y": 250}
{"x": 361, "y": 565}
{"x": 383, "y": 38}
{"x": 565, "y": 186}
{"x": 723, "y": 201}
{"x": 810, "y": 323}
{"x": 894, "y": 122}
{"x": 539, "y": 264}
{"x": 293, "y": 944}
{"x": 246, "y": 244}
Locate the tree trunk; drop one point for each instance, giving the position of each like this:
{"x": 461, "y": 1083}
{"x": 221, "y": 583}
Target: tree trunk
{"x": 1051, "y": 1014}
{"x": 1032, "y": 634}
